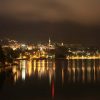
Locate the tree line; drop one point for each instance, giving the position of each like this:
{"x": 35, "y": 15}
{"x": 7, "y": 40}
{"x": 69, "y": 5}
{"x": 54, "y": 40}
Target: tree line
{"x": 8, "y": 55}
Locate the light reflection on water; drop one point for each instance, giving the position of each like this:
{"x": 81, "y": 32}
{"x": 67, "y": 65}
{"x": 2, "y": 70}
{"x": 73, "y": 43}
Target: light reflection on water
{"x": 31, "y": 68}
{"x": 70, "y": 70}
{"x": 57, "y": 74}
{"x": 54, "y": 78}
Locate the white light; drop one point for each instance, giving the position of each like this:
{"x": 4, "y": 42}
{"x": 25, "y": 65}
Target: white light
{"x": 41, "y": 48}
{"x": 23, "y": 45}
{"x": 23, "y": 74}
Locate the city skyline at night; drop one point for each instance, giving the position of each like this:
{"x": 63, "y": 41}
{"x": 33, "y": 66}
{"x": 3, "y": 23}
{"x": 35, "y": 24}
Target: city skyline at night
{"x": 49, "y": 49}
{"x": 68, "y": 21}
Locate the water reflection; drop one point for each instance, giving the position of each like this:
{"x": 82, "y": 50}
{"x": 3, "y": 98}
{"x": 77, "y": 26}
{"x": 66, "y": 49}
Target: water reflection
{"x": 54, "y": 74}
{"x": 84, "y": 70}
{"x": 69, "y": 70}
{"x": 40, "y": 68}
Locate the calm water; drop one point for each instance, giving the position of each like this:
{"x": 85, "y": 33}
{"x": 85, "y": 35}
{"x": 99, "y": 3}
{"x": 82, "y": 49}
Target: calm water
{"x": 52, "y": 80}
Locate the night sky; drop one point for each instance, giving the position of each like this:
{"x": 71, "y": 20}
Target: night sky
{"x": 71, "y": 21}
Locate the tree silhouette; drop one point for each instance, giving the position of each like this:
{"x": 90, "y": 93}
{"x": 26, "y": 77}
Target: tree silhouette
{"x": 60, "y": 52}
{"x": 2, "y": 56}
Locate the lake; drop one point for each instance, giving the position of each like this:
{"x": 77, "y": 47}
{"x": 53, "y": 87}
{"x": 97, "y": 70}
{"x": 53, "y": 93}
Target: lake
{"x": 52, "y": 80}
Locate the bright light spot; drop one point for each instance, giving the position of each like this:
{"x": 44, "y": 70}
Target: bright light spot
{"x": 23, "y": 74}
{"x": 23, "y": 45}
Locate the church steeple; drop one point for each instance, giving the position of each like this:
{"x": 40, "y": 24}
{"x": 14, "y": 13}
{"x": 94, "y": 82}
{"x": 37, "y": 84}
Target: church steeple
{"x": 49, "y": 41}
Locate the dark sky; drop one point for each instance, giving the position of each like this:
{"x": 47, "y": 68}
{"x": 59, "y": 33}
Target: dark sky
{"x": 71, "y": 21}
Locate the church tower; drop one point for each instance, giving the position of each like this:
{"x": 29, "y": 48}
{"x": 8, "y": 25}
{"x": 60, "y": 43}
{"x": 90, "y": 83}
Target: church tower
{"x": 49, "y": 41}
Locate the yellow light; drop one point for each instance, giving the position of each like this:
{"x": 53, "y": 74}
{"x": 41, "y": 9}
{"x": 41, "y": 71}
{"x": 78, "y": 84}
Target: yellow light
{"x": 38, "y": 69}
{"x": 54, "y": 66}
{"x": 29, "y": 68}
{"x": 83, "y": 73}
{"x": 43, "y": 68}
{"x": 34, "y": 69}
{"x": 62, "y": 76}
{"x": 43, "y": 63}
{"x": 34, "y": 63}
{"x": 14, "y": 69}
{"x": 14, "y": 72}
{"x": 39, "y": 64}
{"x": 50, "y": 76}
